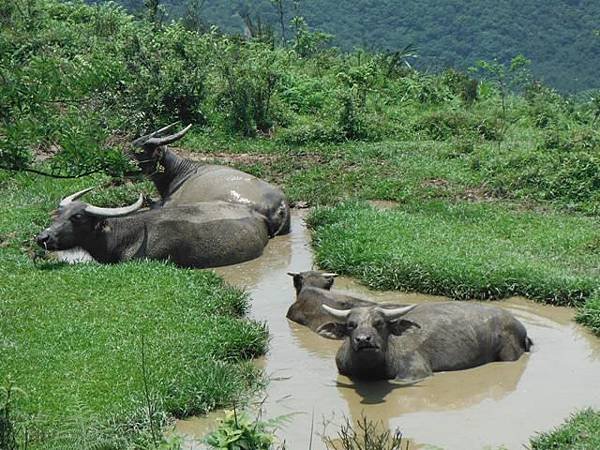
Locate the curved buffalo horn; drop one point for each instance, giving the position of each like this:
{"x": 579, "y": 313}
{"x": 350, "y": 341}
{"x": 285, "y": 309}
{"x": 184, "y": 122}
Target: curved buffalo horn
{"x": 114, "y": 212}
{"x": 330, "y": 274}
{"x": 293, "y": 274}
{"x": 142, "y": 139}
{"x": 392, "y": 314}
{"x": 337, "y": 313}
{"x": 65, "y": 201}
{"x": 168, "y": 139}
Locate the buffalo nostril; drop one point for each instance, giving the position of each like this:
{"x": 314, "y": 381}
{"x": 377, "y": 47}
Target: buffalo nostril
{"x": 42, "y": 238}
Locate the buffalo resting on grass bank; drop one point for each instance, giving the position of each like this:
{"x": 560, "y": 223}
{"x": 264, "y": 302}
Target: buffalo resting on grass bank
{"x": 182, "y": 181}
{"x": 209, "y": 234}
{"x": 412, "y": 342}
{"x": 313, "y": 290}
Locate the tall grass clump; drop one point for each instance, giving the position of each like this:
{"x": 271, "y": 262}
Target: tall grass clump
{"x": 589, "y": 313}
{"x": 580, "y": 432}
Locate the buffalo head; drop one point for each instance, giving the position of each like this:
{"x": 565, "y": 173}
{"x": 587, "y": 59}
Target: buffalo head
{"x": 75, "y": 221}
{"x": 367, "y": 329}
{"x": 150, "y": 149}
{"x": 311, "y": 278}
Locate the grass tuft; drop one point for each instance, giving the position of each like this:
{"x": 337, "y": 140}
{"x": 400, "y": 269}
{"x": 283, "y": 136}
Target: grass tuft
{"x": 580, "y": 432}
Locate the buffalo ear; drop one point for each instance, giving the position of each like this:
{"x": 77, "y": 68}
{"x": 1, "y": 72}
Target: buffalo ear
{"x": 298, "y": 281}
{"x": 399, "y": 326}
{"x": 332, "y": 330}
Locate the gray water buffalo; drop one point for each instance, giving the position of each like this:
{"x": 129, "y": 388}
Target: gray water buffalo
{"x": 412, "y": 342}
{"x": 182, "y": 181}
{"x": 206, "y": 234}
{"x": 313, "y": 289}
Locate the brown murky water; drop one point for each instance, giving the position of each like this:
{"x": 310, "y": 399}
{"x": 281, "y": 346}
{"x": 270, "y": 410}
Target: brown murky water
{"x": 499, "y": 404}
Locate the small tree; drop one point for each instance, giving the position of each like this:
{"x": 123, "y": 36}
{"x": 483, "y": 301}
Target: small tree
{"x": 507, "y": 78}
{"x": 278, "y": 4}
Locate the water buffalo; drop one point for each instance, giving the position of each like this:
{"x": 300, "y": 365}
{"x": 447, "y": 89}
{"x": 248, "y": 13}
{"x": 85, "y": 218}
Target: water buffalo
{"x": 182, "y": 181}
{"x": 313, "y": 289}
{"x": 206, "y": 234}
{"x": 411, "y": 342}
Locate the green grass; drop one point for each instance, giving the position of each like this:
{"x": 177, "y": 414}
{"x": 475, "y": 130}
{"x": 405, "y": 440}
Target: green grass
{"x": 589, "y": 313}
{"x": 462, "y": 250}
{"x": 580, "y": 432}
{"x": 72, "y": 337}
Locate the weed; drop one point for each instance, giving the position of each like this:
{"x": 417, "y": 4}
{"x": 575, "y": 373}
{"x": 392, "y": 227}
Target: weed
{"x": 239, "y": 431}
{"x": 365, "y": 435}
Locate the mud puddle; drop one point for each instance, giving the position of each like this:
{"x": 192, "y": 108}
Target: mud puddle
{"x": 499, "y": 404}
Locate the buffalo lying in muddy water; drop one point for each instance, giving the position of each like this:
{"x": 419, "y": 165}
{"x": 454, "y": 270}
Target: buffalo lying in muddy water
{"x": 206, "y": 234}
{"x": 313, "y": 289}
{"x": 183, "y": 181}
{"x": 412, "y": 342}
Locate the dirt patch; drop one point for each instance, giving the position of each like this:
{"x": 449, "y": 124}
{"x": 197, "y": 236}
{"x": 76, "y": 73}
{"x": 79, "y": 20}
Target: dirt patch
{"x": 435, "y": 182}
{"x": 45, "y": 152}
{"x": 383, "y": 204}
{"x": 303, "y": 160}
{"x": 477, "y": 194}
{"x": 226, "y": 158}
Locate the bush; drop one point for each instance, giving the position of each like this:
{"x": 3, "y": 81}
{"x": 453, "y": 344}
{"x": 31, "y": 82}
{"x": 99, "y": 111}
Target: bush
{"x": 250, "y": 75}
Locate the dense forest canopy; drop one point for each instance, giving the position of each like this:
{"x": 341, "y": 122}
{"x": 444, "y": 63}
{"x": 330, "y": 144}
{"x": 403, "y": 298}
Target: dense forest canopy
{"x": 557, "y": 35}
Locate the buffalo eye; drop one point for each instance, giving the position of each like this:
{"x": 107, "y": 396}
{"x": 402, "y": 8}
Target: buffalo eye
{"x": 77, "y": 218}
{"x": 351, "y": 325}
{"x": 378, "y": 323}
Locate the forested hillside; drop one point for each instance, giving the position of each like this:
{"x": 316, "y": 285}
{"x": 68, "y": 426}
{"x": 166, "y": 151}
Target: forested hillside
{"x": 557, "y": 35}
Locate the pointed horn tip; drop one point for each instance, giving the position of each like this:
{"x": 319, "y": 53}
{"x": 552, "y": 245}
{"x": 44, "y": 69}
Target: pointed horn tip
{"x": 398, "y": 311}
{"x": 143, "y": 139}
{"x": 68, "y": 199}
{"x": 330, "y": 274}
{"x": 293, "y": 274}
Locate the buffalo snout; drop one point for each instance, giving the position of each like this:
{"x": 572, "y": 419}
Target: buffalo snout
{"x": 43, "y": 238}
{"x": 364, "y": 341}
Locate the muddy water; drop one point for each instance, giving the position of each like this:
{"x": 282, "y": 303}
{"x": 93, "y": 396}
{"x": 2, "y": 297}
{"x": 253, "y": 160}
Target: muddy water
{"x": 489, "y": 406}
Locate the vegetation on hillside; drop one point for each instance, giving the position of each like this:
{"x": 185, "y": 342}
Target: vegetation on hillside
{"x": 558, "y": 36}
{"x": 82, "y": 80}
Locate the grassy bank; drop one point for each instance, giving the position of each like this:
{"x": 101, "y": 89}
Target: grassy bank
{"x": 462, "y": 250}
{"x": 580, "y": 432}
{"x": 106, "y": 355}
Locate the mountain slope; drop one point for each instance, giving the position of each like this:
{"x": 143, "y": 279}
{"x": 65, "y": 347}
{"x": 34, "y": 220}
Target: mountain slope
{"x": 557, "y": 35}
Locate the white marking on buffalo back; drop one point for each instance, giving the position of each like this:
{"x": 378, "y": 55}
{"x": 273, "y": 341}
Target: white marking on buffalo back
{"x": 236, "y": 197}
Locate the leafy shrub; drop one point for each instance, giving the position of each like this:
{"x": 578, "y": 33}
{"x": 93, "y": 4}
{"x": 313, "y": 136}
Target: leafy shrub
{"x": 238, "y": 431}
{"x": 461, "y": 85}
{"x": 251, "y": 74}
{"x": 305, "y": 94}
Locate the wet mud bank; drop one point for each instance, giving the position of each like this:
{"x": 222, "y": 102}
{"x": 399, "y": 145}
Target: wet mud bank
{"x": 493, "y": 405}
